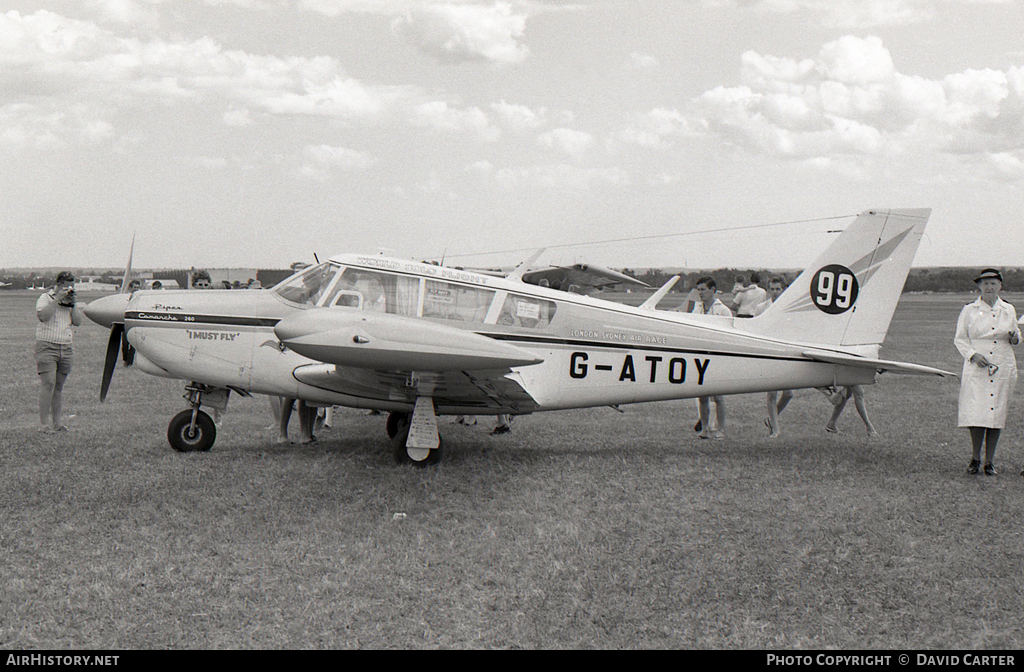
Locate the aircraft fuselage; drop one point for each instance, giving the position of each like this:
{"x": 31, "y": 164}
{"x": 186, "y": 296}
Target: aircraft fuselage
{"x": 587, "y": 351}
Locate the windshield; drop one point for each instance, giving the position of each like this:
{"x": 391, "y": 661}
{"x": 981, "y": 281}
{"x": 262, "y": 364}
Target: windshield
{"x": 307, "y": 286}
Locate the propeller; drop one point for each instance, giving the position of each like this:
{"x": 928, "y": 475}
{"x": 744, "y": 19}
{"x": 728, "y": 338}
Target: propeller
{"x": 118, "y": 335}
{"x": 115, "y": 343}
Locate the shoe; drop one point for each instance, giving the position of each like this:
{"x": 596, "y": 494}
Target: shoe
{"x": 501, "y": 429}
{"x": 972, "y": 468}
{"x": 698, "y": 427}
{"x": 990, "y": 470}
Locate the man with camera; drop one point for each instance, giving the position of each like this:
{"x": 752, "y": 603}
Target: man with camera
{"x": 57, "y": 310}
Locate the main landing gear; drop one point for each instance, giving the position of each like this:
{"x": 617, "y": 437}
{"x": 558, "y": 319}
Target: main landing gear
{"x": 193, "y": 430}
{"x": 414, "y": 438}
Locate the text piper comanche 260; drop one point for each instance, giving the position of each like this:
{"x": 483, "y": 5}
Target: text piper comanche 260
{"x": 421, "y": 340}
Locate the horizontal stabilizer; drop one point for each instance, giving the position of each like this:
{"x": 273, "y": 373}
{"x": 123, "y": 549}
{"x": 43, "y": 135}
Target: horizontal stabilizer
{"x": 380, "y": 341}
{"x": 880, "y": 365}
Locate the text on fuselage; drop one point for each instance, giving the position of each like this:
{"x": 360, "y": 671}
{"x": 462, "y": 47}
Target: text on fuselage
{"x": 652, "y": 368}
{"x": 620, "y": 336}
{"x": 211, "y": 335}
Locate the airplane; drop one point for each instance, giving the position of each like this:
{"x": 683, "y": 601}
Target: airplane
{"x": 420, "y": 340}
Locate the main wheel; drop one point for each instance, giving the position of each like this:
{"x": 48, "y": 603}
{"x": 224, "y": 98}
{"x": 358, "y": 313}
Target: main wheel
{"x": 184, "y": 439}
{"x": 420, "y": 457}
{"x": 394, "y": 419}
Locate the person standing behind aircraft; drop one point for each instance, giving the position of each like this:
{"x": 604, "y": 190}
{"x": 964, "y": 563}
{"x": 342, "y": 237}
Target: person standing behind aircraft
{"x": 57, "y": 311}
{"x": 307, "y": 416}
{"x": 504, "y": 425}
{"x": 839, "y": 400}
{"x": 775, "y": 403}
{"x": 984, "y": 333}
{"x": 709, "y": 304}
{"x": 201, "y": 280}
{"x": 748, "y": 297}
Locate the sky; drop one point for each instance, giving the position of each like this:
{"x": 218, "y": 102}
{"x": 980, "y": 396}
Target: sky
{"x": 628, "y": 133}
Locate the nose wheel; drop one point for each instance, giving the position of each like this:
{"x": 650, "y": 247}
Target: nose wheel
{"x": 191, "y": 431}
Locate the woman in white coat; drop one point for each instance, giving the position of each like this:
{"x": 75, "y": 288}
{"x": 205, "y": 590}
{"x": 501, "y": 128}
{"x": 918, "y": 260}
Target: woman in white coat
{"x": 984, "y": 333}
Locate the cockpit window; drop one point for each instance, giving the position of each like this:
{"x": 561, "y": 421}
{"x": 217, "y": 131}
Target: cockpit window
{"x": 450, "y": 301}
{"x": 374, "y": 291}
{"x": 526, "y": 311}
{"x": 308, "y": 286}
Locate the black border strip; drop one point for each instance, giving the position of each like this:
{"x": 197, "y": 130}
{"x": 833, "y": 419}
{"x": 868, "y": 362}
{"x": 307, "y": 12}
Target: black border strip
{"x": 634, "y": 346}
{"x": 191, "y": 318}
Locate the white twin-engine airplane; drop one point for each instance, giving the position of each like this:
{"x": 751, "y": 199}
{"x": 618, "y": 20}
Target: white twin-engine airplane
{"x": 420, "y": 340}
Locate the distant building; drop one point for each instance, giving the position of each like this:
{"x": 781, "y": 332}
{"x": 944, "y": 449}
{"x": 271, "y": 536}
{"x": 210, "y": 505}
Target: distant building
{"x": 268, "y": 277}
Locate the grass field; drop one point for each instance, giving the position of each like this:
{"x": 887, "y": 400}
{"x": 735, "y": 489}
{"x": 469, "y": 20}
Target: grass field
{"x": 580, "y": 529}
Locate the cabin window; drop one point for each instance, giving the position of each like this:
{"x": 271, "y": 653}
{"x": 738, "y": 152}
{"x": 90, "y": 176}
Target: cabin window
{"x": 448, "y": 301}
{"x": 526, "y": 311}
{"x": 308, "y": 286}
{"x": 374, "y": 291}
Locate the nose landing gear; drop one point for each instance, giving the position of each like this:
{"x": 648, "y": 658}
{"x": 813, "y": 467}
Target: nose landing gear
{"x": 193, "y": 430}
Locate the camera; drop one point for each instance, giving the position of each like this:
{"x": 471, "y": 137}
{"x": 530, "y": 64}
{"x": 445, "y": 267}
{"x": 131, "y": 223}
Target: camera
{"x": 69, "y": 299}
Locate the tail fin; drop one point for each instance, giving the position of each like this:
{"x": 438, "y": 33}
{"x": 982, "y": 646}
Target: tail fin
{"x": 846, "y": 298}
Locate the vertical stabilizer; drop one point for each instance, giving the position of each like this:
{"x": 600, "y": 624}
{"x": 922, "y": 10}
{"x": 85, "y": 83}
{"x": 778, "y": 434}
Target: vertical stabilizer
{"x": 846, "y": 298}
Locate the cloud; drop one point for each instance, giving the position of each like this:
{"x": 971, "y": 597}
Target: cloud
{"x": 641, "y": 60}
{"x": 566, "y": 140}
{"x": 850, "y": 100}
{"x": 57, "y": 62}
{"x": 322, "y": 161}
{"x": 456, "y": 33}
{"x": 438, "y": 115}
{"x": 562, "y": 177}
{"x": 237, "y": 117}
{"x": 124, "y": 11}
{"x": 852, "y": 14}
{"x": 518, "y": 118}
{"x": 845, "y": 14}
{"x": 25, "y": 125}
{"x": 658, "y": 128}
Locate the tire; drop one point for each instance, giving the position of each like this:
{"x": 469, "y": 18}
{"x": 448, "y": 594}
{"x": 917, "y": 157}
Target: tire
{"x": 200, "y": 441}
{"x": 400, "y": 452}
{"x": 394, "y": 419}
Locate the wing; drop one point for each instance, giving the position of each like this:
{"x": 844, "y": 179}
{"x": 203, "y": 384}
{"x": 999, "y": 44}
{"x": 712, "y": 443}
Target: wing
{"x": 879, "y": 365}
{"x": 584, "y": 276}
{"x": 386, "y": 358}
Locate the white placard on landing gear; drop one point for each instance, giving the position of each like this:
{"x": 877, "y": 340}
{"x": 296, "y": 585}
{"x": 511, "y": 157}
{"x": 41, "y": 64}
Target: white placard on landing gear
{"x": 422, "y": 430}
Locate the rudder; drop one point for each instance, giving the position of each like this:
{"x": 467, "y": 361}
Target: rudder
{"x": 847, "y": 296}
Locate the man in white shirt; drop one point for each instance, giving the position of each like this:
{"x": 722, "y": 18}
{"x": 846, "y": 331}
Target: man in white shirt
{"x": 747, "y": 298}
{"x": 775, "y": 403}
{"x": 58, "y": 311}
{"x": 709, "y": 304}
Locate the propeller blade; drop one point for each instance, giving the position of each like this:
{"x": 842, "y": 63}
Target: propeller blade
{"x": 127, "y": 350}
{"x": 128, "y": 269}
{"x": 111, "y": 359}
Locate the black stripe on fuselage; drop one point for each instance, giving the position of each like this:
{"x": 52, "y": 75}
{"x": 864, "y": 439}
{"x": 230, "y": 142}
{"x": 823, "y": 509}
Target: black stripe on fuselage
{"x": 574, "y": 343}
{"x": 158, "y": 317}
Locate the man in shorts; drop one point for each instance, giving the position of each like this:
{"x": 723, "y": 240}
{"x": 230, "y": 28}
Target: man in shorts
{"x": 58, "y": 311}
